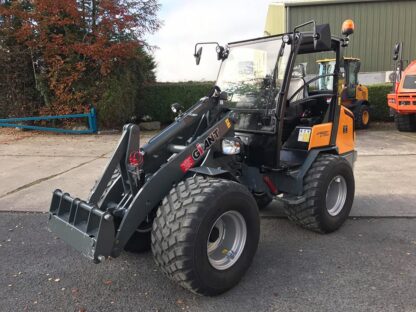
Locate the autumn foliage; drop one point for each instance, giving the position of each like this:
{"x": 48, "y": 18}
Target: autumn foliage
{"x": 78, "y": 47}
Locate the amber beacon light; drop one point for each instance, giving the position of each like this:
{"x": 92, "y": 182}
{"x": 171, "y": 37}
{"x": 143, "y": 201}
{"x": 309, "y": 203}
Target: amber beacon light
{"x": 348, "y": 27}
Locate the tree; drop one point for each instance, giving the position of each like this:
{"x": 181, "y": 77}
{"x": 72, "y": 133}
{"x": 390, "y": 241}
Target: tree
{"x": 17, "y": 82}
{"x": 78, "y": 44}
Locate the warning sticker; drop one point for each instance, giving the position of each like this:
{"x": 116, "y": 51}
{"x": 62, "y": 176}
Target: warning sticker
{"x": 304, "y": 135}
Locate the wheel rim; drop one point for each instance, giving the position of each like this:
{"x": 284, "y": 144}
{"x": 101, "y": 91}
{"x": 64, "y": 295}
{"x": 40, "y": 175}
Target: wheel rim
{"x": 226, "y": 240}
{"x": 336, "y": 195}
{"x": 366, "y": 117}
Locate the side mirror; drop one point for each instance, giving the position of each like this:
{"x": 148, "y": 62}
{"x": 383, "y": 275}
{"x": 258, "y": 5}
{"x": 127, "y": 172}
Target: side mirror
{"x": 322, "y": 38}
{"x": 197, "y": 56}
{"x": 224, "y": 96}
{"x": 176, "y": 108}
{"x": 396, "y": 51}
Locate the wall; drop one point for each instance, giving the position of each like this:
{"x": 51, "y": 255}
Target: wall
{"x": 275, "y": 20}
{"x": 378, "y": 26}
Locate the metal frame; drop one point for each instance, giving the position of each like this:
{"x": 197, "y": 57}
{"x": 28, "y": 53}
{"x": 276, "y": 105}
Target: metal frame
{"x": 91, "y": 115}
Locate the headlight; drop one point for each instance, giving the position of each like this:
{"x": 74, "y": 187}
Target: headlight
{"x": 286, "y": 39}
{"x": 231, "y": 146}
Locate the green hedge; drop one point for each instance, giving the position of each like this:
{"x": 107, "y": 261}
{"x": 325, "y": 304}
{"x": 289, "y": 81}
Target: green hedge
{"x": 377, "y": 96}
{"x": 155, "y": 99}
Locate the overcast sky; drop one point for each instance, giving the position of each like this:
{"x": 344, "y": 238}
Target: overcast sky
{"x": 185, "y": 22}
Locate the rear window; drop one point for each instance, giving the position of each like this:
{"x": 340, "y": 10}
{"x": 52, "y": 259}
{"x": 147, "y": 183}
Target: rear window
{"x": 409, "y": 82}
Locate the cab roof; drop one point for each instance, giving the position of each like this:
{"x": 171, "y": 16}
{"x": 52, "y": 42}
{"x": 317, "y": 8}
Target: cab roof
{"x": 308, "y": 39}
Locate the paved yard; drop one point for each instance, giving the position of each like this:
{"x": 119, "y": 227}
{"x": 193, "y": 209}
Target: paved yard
{"x": 368, "y": 265}
{"x": 33, "y": 165}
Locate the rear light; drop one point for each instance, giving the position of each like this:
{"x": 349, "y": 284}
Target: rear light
{"x": 136, "y": 159}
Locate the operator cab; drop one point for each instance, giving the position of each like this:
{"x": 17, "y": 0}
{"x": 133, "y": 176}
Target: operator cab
{"x": 254, "y": 75}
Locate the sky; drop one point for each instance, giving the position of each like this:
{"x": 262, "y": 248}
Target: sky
{"x": 186, "y": 22}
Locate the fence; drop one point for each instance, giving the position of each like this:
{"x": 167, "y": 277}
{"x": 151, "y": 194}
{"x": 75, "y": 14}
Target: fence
{"x": 17, "y": 123}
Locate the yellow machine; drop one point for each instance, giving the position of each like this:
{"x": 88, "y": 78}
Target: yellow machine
{"x": 353, "y": 95}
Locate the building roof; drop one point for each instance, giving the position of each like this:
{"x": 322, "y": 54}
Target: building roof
{"x": 289, "y": 3}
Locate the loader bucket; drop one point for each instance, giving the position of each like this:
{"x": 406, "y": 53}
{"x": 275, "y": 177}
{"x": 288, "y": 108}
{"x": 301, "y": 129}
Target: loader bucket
{"x": 86, "y": 228}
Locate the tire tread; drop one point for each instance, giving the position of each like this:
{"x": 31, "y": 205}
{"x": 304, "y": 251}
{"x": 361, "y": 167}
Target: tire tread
{"x": 174, "y": 231}
{"x": 405, "y": 123}
{"x": 306, "y": 214}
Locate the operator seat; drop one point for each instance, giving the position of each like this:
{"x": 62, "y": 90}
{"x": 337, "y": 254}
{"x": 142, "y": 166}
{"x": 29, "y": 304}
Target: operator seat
{"x": 293, "y": 108}
{"x": 298, "y": 82}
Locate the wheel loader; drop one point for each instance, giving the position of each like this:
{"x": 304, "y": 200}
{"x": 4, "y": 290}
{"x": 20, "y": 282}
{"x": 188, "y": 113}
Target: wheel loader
{"x": 192, "y": 194}
{"x": 354, "y": 95}
{"x": 402, "y": 100}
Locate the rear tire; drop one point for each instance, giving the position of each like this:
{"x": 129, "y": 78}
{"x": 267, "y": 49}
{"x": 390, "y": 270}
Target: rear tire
{"x": 362, "y": 116}
{"x": 329, "y": 193}
{"x": 405, "y": 123}
{"x": 189, "y": 242}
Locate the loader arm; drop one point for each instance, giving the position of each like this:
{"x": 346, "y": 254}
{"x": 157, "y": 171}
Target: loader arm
{"x": 98, "y": 229}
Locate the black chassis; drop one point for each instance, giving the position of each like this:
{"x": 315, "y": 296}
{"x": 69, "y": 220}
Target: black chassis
{"x": 126, "y": 196}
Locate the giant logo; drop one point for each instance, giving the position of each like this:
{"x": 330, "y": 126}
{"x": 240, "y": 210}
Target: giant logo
{"x": 200, "y": 149}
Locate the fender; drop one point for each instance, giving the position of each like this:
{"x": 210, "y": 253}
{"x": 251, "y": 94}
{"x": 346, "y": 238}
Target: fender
{"x": 295, "y": 180}
{"x": 292, "y": 182}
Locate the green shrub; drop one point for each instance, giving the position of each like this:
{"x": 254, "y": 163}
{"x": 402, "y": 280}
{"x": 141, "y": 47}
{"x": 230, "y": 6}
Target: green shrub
{"x": 155, "y": 99}
{"x": 120, "y": 90}
{"x": 377, "y": 96}
{"x": 116, "y": 105}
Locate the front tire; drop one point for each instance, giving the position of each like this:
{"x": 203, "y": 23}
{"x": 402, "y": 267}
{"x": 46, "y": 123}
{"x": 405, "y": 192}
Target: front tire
{"x": 362, "y": 116}
{"x": 205, "y": 234}
{"x": 329, "y": 193}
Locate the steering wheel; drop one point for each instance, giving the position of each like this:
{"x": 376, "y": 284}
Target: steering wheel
{"x": 307, "y": 83}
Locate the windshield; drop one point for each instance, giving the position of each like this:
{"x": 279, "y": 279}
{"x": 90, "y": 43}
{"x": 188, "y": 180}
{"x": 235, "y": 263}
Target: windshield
{"x": 251, "y": 79}
{"x": 326, "y": 83}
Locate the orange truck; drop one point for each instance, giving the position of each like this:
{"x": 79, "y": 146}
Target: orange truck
{"x": 402, "y": 101}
